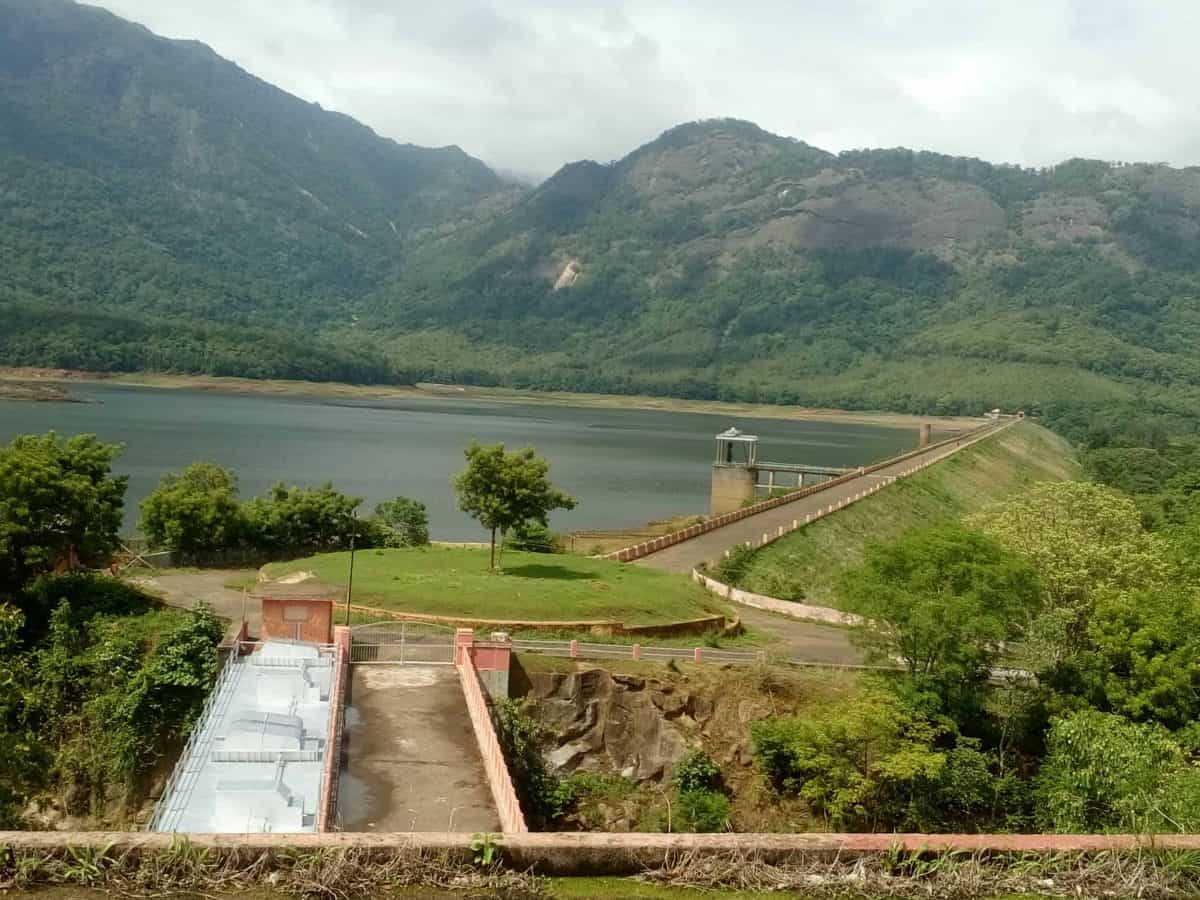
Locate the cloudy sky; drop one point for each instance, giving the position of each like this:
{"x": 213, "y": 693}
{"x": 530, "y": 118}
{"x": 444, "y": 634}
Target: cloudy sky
{"x": 528, "y": 86}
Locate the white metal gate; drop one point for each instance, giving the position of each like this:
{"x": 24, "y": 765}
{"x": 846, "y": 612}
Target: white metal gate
{"x": 402, "y": 643}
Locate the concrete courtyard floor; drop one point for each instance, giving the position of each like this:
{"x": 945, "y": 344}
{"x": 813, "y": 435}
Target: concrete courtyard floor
{"x": 410, "y": 761}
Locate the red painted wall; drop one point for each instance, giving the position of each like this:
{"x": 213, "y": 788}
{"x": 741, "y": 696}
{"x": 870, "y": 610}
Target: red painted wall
{"x": 280, "y": 618}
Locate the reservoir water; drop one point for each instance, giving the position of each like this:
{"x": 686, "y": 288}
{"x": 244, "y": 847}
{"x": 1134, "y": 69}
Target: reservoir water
{"x": 624, "y": 466}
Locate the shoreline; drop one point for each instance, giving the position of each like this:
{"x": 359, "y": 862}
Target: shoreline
{"x": 340, "y": 391}
{"x": 22, "y": 390}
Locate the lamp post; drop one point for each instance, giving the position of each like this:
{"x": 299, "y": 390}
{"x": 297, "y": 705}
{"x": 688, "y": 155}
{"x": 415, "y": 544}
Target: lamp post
{"x": 350, "y": 581}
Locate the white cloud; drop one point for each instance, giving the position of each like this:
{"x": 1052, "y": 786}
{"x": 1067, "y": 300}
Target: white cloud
{"x": 531, "y": 85}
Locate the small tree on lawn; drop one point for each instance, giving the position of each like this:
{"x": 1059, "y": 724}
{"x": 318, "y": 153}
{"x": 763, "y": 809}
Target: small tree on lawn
{"x": 504, "y": 490}
{"x": 405, "y": 522}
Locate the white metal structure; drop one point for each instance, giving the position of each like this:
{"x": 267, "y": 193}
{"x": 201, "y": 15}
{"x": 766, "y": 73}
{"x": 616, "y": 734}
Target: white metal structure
{"x": 402, "y": 643}
{"x": 255, "y": 759}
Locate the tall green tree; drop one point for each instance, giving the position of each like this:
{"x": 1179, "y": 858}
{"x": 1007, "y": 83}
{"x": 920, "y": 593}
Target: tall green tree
{"x": 942, "y": 599}
{"x": 503, "y": 490}
{"x": 60, "y": 505}
{"x": 195, "y": 511}
{"x": 1088, "y": 546}
{"x": 303, "y": 520}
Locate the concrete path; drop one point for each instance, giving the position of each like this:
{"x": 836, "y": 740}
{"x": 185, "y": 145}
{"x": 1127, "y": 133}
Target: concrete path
{"x": 800, "y": 640}
{"x": 685, "y": 556}
{"x": 410, "y": 761}
{"x": 187, "y": 589}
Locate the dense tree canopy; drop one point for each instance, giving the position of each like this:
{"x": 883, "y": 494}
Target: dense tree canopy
{"x": 942, "y": 599}
{"x": 195, "y": 512}
{"x": 60, "y": 505}
{"x": 404, "y": 522}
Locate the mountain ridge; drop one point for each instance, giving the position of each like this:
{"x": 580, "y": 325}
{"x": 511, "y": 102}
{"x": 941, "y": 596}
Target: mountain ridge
{"x": 165, "y": 210}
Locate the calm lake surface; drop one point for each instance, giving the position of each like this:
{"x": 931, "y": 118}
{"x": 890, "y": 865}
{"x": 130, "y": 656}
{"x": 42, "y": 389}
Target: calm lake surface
{"x": 625, "y": 467}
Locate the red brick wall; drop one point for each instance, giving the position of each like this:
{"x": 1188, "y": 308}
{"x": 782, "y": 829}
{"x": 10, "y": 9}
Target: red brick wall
{"x": 281, "y": 616}
{"x": 327, "y": 812}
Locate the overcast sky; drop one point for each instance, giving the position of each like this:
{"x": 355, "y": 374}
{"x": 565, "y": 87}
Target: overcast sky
{"x": 528, "y": 86}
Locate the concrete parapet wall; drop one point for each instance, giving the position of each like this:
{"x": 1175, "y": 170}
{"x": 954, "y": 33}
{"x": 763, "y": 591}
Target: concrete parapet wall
{"x": 775, "y": 605}
{"x": 603, "y": 854}
{"x": 327, "y": 814}
{"x": 703, "y": 625}
{"x": 512, "y": 821}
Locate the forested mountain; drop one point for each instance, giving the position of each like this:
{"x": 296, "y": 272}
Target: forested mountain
{"x": 160, "y": 208}
{"x": 723, "y": 261}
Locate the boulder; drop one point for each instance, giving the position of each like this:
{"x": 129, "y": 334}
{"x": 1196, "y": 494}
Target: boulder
{"x": 600, "y": 722}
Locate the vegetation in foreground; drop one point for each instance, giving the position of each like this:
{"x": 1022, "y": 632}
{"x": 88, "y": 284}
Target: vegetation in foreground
{"x": 185, "y": 873}
{"x": 455, "y": 581}
{"x": 805, "y": 566}
{"x": 97, "y": 682}
{"x": 1091, "y": 728}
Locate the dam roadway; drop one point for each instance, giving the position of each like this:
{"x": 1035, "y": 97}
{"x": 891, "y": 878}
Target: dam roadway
{"x": 708, "y": 548}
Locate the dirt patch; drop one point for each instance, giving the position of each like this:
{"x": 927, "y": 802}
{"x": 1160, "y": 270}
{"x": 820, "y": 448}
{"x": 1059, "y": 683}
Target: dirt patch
{"x": 186, "y": 590}
{"x": 296, "y": 578}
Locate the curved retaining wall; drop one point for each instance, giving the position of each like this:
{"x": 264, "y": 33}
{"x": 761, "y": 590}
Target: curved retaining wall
{"x": 637, "y": 551}
{"x": 775, "y": 605}
{"x": 596, "y": 626}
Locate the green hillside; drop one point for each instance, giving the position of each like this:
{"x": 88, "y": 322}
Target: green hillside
{"x": 164, "y": 210}
{"x": 804, "y": 565}
{"x": 721, "y": 261}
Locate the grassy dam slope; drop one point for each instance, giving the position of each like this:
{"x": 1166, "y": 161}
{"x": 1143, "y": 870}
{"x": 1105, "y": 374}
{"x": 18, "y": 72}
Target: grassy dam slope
{"x": 805, "y": 565}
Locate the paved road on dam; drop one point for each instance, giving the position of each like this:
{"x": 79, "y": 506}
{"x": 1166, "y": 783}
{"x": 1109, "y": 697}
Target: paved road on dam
{"x": 685, "y": 556}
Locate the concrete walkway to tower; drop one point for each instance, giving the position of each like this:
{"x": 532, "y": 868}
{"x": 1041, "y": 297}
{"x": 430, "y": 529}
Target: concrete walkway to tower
{"x": 706, "y": 548}
{"x": 410, "y": 761}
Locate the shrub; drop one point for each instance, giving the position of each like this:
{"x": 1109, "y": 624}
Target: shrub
{"x": 533, "y": 537}
{"x": 704, "y": 811}
{"x": 544, "y": 797}
{"x": 402, "y": 523}
{"x": 863, "y": 765}
{"x": 734, "y": 568}
{"x": 195, "y": 512}
{"x": 85, "y": 597}
{"x": 303, "y": 521}
{"x": 1102, "y": 772}
{"x": 697, "y": 771}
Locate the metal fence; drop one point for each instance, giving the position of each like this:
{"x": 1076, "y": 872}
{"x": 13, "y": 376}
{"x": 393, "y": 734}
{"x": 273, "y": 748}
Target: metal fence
{"x": 402, "y": 643}
{"x": 197, "y": 746}
{"x": 713, "y": 655}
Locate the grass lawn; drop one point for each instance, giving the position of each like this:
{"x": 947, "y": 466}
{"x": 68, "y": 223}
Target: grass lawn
{"x": 453, "y": 581}
{"x": 805, "y": 565}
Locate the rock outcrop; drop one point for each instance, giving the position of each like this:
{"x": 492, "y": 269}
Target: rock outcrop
{"x": 636, "y": 727}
